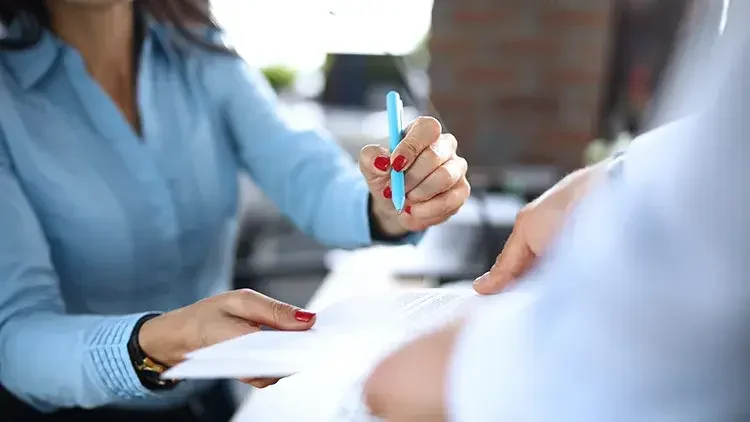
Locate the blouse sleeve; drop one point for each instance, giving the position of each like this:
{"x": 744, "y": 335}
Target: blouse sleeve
{"x": 48, "y": 358}
{"x": 307, "y": 175}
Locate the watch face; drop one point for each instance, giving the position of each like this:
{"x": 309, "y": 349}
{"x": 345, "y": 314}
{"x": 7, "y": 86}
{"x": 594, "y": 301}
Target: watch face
{"x": 151, "y": 366}
{"x": 151, "y": 371}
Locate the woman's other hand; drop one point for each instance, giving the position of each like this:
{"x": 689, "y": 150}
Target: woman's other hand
{"x": 537, "y": 224}
{"x": 436, "y": 185}
{"x": 170, "y": 336}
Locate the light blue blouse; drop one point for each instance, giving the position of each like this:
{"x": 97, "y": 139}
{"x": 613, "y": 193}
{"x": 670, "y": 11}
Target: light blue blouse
{"x": 99, "y": 225}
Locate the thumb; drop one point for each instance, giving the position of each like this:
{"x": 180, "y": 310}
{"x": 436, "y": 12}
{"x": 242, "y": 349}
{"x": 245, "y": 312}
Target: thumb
{"x": 514, "y": 260}
{"x": 261, "y": 309}
{"x": 375, "y": 164}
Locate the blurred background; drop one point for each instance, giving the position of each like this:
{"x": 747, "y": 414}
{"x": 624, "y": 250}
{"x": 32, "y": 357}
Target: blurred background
{"x": 531, "y": 88}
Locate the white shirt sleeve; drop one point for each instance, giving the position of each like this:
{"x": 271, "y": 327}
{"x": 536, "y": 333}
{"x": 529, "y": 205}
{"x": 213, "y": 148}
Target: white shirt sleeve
{"x": 472, "y": 385}
{"x": 641, "y": 311}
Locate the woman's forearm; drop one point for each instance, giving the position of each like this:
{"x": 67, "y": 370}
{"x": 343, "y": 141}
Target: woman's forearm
{"x": 56, "y": 361}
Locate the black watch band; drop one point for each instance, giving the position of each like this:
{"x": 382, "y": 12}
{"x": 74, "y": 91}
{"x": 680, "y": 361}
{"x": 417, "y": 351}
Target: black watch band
{"x": 148, "y": 371}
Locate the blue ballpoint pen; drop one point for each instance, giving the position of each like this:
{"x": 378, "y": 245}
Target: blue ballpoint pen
{"x": 395, "y": 110}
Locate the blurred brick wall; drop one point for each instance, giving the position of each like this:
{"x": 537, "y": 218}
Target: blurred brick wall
{"x": 519, "y": 81}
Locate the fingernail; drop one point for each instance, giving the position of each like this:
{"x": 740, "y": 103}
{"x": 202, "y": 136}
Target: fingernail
{"x": 408, "y": 209}
{"x": 387, "y": 192}
{"x": 481, "y": 278}
{"x": 399, "y": 163}
{"x": 304, "y": 316}
{"x": 381, "y": 163}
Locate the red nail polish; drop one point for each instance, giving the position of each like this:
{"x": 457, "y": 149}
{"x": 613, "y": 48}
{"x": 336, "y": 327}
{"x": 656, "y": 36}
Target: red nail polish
{"x": 382, "y": 163}
{"x": 408, "y": 209}
{"x": 304, "y": 316}
{"x": 387, "y": 192}
{"x": 399, "y": 163}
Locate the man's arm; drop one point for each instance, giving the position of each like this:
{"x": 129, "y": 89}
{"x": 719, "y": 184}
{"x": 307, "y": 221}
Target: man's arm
{"x": 640, "y": 310}
{"x": 637, "y": 310}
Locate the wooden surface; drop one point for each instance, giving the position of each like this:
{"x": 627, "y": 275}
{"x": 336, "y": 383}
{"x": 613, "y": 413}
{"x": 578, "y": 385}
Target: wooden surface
{"x": 312, "y": 397}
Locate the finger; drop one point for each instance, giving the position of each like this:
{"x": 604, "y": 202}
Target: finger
{"x": 514, "y": 260}
{"x": 374, "y": 162}
{"x": 442, "y": 205}
{"x": 260, "y": 382}
{"x": 440, "y": 180}
{"x": 430, "y": 159}
{"x": 419, "y": 225}
{"x": 412, "y": 224}
{"x": 261, "y": 309}
{"x": 375, "y": 165}
{"x": 419, "y": 136}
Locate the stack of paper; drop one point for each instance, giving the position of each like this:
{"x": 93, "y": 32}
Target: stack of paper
{"x": 330, "y": 390}
{"x": 330, "y": 362}
{"x": 349, "y": 332}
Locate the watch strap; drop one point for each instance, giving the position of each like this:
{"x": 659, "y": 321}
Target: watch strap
{"x": 148, "y": 370}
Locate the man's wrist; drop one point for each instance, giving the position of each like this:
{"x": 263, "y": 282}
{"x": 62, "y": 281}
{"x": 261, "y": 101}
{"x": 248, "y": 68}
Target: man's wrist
{"x": 582, "y": 181}
{"x": 602, "y": 171}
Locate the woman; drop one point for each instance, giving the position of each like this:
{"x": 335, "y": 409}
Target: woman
{"x": 122, "y": 127}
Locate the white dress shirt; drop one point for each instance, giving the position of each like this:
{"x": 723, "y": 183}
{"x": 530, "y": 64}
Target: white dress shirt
{"x": 641, "y": 311}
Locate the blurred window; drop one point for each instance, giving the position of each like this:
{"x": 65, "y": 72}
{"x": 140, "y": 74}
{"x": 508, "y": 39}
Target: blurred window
{"x": 362, "y": 80}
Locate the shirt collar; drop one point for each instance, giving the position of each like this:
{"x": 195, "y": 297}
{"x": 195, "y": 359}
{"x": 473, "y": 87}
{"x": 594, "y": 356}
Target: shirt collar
{"x": 159, "y": 36}
{"x": 32, "y": 64}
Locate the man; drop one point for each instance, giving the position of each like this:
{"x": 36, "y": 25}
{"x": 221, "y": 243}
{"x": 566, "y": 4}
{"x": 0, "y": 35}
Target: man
{"x": 639, "y": 311}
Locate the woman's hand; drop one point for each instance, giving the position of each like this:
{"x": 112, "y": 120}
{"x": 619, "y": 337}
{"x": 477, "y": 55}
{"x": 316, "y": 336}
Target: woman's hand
{"x": 436, "y": 185}
{"x": 169, "y": 337}
{"x": 535, "y": 227}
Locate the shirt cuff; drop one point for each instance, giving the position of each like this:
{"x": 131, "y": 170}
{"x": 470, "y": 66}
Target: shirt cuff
{"x": 109, "y": 352}
{"x": 490, "y": 374}
{"x": 615, "y": 165}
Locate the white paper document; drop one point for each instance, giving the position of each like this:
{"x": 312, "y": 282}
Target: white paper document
{"x": 356, "y": 329}
{"x": 332, "y": 389}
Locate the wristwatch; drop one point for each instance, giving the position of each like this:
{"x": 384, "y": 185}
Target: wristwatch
{"x": 148, "y": 370}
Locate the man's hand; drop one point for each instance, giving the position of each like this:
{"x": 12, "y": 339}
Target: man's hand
{"x": 409, "y": 386}
{"x": 536, "y": 226}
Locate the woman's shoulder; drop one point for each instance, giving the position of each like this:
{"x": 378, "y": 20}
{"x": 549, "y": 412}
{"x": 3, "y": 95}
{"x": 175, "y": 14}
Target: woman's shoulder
{"x": 193, "y": 42}
{"x": 11, "y": 96}
{"x": 23, "y": 66}
{"x": 211, "y": 59}
{"x": 199, "y": 49}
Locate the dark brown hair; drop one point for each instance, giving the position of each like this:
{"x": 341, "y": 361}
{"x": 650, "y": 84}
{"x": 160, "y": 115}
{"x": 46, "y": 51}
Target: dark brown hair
{"x": 183, "y": 15}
